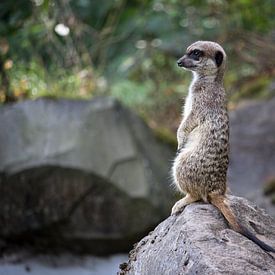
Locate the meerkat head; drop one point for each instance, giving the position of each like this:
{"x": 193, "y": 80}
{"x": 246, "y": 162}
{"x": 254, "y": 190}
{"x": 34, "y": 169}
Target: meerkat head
{"x": 204, "y": 58}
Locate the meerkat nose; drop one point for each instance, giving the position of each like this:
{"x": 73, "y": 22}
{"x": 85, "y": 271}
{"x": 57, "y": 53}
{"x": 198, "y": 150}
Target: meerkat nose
{"x": 180, "y": 62}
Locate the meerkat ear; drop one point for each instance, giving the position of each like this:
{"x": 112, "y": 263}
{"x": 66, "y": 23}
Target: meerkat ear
{"x": 218, "y": 58}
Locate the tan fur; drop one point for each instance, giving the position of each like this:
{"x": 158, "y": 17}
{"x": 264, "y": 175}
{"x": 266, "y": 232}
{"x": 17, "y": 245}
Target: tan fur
{"x": 200, "y": 168}
{"x": 219, "y": 202}
{"x": 201, "y": 165}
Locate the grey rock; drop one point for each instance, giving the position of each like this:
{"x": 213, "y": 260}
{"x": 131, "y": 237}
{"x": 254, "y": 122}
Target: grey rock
{"x": 88, "y": 175}
{"x": 252, "y": 158}
{"x": 198, "y": 241}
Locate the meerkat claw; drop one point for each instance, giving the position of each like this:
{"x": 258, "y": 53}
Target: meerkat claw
{"x": 180, "y": 204}
{"x": 177, "y": 208}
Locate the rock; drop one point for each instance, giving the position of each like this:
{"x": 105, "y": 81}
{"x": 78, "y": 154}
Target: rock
{"x": 198, "y": 241}
{"x": 84, "y": 175}
{"x": 252, "y": 158}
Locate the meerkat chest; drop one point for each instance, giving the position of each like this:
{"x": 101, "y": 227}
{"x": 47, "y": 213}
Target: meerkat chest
{"x": 189, "y": 101}
{"x": 188, "y": 105}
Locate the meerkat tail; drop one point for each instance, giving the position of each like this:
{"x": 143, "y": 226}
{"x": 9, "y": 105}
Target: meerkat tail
{"x": 219, "y": 202}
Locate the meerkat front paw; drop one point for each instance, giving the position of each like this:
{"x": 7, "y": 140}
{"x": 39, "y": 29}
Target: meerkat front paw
{"x": 177, "y": 208}
{"x": 180, "y": 205}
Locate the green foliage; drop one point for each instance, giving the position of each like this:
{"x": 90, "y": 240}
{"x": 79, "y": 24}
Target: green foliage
{"x": 13, "y": 17}
{"x": 132, "y": 93}
{"x": 251, "y": 89}
{"x": 128, "y": 49}
{"x": 34, "y": 81}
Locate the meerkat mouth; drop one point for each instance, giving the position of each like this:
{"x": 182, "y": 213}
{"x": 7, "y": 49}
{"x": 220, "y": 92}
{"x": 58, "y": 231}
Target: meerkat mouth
{"x": 183, "y": 63}
{"x": 186, "y": 66}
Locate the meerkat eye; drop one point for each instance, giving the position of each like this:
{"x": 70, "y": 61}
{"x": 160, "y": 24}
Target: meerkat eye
{"x": 196, "y": 54}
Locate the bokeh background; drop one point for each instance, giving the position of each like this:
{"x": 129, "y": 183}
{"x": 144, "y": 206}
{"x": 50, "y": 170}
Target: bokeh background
{"x": 98, "y": 50}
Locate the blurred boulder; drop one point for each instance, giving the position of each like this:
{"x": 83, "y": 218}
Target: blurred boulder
{"x": 198, "y": 241}
{"x": 252, "y": 158}
{"x": 84, "y": 175}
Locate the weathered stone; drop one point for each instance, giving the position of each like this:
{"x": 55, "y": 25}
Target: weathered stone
{"x": 252, "y": 146}
{"x": 88, "y": 175}
{"x": 198, "y": 241}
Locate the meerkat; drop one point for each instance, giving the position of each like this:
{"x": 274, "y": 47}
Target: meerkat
{"x": 200, "y": 167}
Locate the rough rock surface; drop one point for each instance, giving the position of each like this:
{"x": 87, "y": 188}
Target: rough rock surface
{"x": 88, "y": 175}
{"x": 198, "y": 241}
{"x": 252, "y": 146}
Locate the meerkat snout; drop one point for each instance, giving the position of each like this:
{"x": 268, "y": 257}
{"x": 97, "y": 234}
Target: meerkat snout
{"x": 186, "y": 62}
{"x": 203, "y": 58}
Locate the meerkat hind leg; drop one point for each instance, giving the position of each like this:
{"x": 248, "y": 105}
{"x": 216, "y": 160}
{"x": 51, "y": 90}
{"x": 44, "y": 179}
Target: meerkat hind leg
{"x": 180, "y": 204}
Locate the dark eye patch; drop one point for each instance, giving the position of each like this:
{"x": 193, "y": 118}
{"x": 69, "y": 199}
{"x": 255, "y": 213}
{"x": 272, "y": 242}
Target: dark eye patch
{"x": 218, "y": 58}
{"x": 195, "y": 54}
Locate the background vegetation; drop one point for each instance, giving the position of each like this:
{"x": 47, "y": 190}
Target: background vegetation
{"x": 128, "y": 49}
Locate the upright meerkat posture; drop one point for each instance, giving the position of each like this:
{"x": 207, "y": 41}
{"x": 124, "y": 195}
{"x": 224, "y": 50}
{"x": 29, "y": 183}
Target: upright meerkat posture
{"x": 200, "y": 166}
